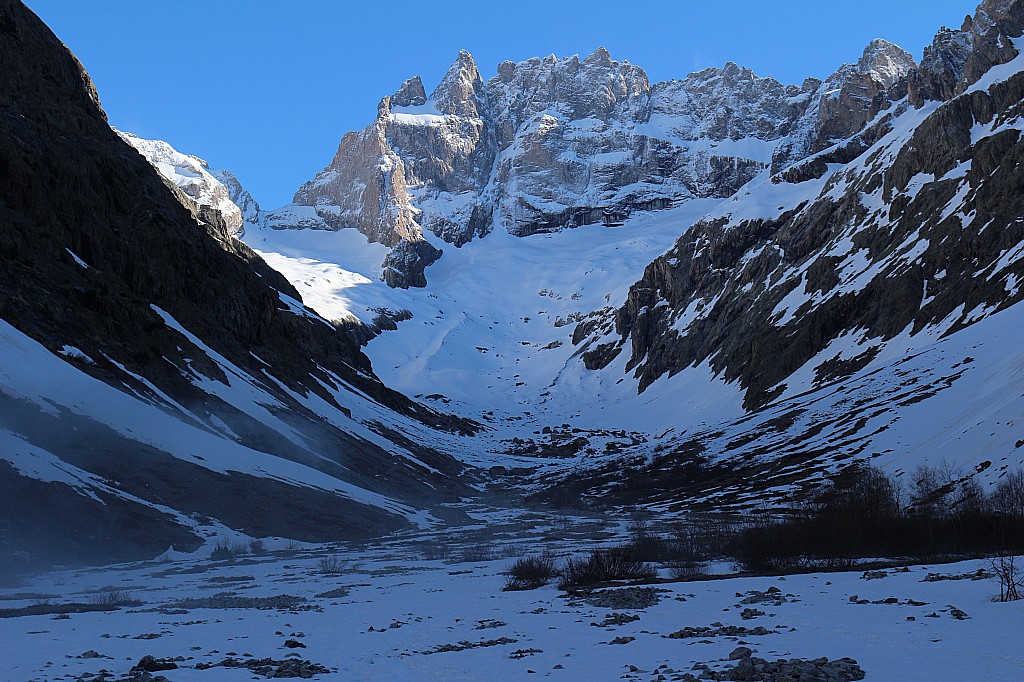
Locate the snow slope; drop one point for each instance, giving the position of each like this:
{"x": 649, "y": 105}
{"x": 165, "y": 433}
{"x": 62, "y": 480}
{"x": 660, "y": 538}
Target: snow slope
{"x": 32, "y": 374}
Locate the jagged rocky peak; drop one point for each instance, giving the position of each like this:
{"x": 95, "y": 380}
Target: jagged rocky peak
{"x": 460, "y": 91}
{"x": 547, "y": 144}
{"x": 553, "y": 143}
{"x": 843, "y": 104}
{"x": 886, "y": 62}
{"x": 958, "y": 58}
{"x": 597, "y": 87}
{"x": 411, "y": 94}
{"x": 729, "y": 102}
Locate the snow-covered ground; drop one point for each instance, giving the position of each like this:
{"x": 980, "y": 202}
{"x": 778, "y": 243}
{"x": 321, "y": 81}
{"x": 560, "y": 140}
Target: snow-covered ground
{"x": 492, "y": 331}
{"x": 391, "y": 609}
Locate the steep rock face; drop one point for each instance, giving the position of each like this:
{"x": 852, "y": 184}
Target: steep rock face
{"x": 546, "y": 144}
{"x": 957, "y": 59}
{"x": 363, "y": 187}
{"x": 552, "y": 143}
{"x": 920, "y": 230}
{"x": 845, "y": 102}
{"x": 130, "y": 284}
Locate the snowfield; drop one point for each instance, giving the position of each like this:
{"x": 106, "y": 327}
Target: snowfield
{"x": 391, "y": 614}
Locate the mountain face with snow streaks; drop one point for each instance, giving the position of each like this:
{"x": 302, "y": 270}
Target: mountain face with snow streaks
{"x": 919, "y": 229}
{"x": 550, "y": 144}
{"x": 159, "y": 379}
{"x": 767, "y": 283}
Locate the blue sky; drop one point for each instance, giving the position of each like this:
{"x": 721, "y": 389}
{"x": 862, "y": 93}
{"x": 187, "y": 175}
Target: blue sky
{"x": 266, "y": 89}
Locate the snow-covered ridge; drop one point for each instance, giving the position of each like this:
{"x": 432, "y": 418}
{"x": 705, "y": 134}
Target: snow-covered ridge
{"x": 219, "y": 190}
{"x": 555, "y": 143}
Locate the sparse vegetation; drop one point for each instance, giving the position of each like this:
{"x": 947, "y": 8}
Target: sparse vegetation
{"x": 222, "y": 552}
{"x": 531, "y": 572}
{"x": 434, "y": 550}
{"x": 333, "y": 565}
{"x": 603, "y": 565}
{"x": 107, "y": 598}
{"x": 865, "y": 513}
{"x": 477, "y": 552}
{"x": 1010, "y": 576}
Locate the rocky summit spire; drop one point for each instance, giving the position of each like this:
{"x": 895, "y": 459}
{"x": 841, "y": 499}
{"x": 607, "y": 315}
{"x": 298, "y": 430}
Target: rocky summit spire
{"x": 890, "y": 63}
{"x": 957, "y": 59}
{"x": 599, "y": 57}
{"x": 411, "y": 94}
{"x": 459, "y": 89}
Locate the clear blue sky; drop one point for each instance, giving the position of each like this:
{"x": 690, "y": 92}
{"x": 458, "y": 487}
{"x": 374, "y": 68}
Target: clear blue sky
{"x": 266, "y": 88}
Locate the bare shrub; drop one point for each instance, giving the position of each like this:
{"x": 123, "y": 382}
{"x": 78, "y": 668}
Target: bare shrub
{"x": 222, "y": 552}
{"x": 333, "y": 565}
{"x": 477, "y": 552}
{"x": 530, "y": 572}
{"x": 1010, "y": 576}
{"x": 686, "y": 561}
{"x": 113, "y": 598}
{"x": 603, "y": 565}
{"x": 1008, "y": 496}
{"x": 434, "y": 550}
{"x": 945, "y": 491}
{"x": 647, "y": 545}
{"x": 861, "y": 515}
{"x": 516, "y": 549}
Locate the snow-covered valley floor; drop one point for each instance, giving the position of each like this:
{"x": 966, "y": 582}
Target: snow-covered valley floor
{"x": 393, "y": 614}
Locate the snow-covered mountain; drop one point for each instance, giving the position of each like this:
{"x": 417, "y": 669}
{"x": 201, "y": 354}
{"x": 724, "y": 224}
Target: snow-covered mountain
{"x": 550, "y": 144}
{"x": 193, "y": 176}
{"x": 864, "y": 221}
{"x": 710, "y": 291}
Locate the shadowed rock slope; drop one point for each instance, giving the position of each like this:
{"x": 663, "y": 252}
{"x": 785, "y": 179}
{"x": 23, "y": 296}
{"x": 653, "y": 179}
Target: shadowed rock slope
{"x": 129, "y": 284}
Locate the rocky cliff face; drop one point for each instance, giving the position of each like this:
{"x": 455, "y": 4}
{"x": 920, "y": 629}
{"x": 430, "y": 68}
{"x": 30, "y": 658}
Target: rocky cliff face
{"x": 844, "y": 103}
{"x": 554, "y": 143}
{"x": 956, "y": 59}
{"x": 912, "y": 223}
{"x": 550, "y": 144}
{"x": 174, "y": 371}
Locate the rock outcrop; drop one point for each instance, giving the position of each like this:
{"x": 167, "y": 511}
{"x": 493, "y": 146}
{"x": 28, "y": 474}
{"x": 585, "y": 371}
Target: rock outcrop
{"x": 957, "y": 59}
{"x": 845, "y": 102}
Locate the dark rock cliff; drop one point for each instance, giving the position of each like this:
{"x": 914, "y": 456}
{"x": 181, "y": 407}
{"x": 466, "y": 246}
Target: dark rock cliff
{"x": 71, "y": 190}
